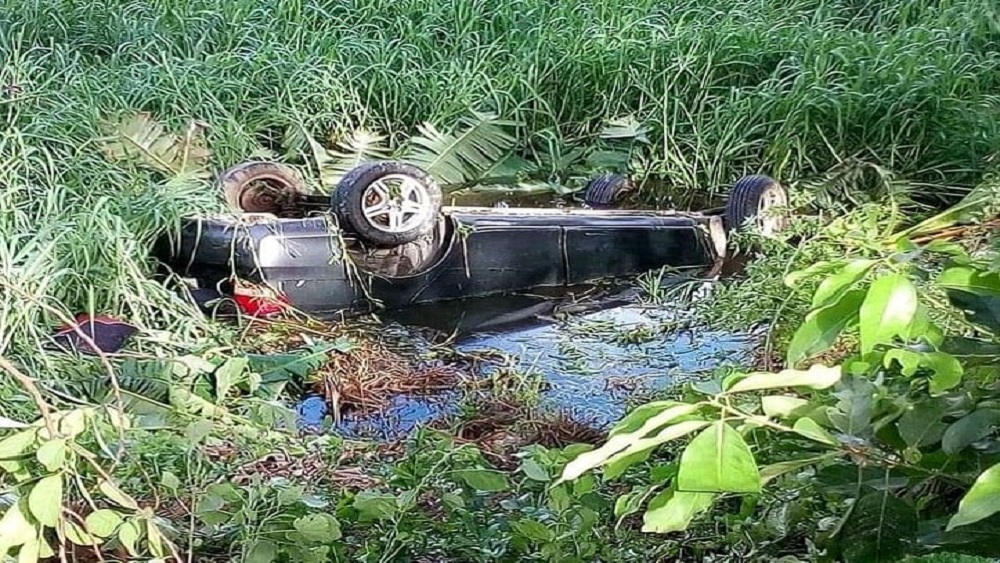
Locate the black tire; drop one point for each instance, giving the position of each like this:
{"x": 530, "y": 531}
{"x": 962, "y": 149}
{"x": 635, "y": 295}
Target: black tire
{"x": 603, "y": 191}
{"x": 751, "y": 203}
{"x": 348, "y": 202}
{"x": 263, "y": 187}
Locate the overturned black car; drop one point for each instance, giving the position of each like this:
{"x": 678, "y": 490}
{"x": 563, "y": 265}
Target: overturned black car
{"x": 384, "y": 240}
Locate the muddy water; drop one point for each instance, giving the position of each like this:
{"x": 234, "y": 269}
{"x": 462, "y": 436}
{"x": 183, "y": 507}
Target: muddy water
{"x": 585, "y": 353}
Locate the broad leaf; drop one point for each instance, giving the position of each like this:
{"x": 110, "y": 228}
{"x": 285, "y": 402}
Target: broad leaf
{"x": 672, "y": 511}
{"x": 589, "y": 460}
{"x": 817, "y": 268}
{"x": 887, "y": 311}
{"x": 639, "y": 450}
{"x": 717, "y": 461}
{"x": 262, "y": 551}
{"x": 45, "y": 500}
{"x": 816, "y": 377}
{"x": 821, "y": 327}
{"x": 374, "y": 506}
{"x": 969, "y": 429}
{"x": 52, "y": 454}
{"x": 921, "y": 424}
{"x": 128, "y": 535}
{"x": 879, "y": 528}
{"x": 971, "y": 280}
{"x": 19, "y": 444}
{"x": 781, "y": 406}
{"x": 117, "y": 495}
{"x": 835, "y": 286}
{"x": 15, "y": 529}
{"x": 78, "y": 535}
{"x": 486, "y": 480}
{"x": 810, "y": 429}
{"x": 533, "y": 530}
{"x": 103, "y": 523}
{"x": 318, "y": 528}
{"x": 229, "y": 374}
{"x": 775, "y": 470}
{"x": 981, "y": 501}
{"x": 856, "y": 406}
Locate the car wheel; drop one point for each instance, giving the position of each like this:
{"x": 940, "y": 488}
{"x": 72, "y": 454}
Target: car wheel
{"x": 603, "y": 191}
{"x": 263, "y": 187}
{"x": 753, "y": 203}
{"x": 388, "y": 203}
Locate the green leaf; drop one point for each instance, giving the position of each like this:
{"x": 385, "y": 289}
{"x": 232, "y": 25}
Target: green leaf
{"x": 374, "y": 506}
{"x": 887, "y": 311}
{"x": 821, "y": 327}
{"x": 19, "y": 444}
{"x": 718, "y": 461}
{"x": 15, "y": 530}
{"x": 78, "y": 535}
{"x": 947, "y": 370}
{"x": 672, "y": 511}
{"x": 103, "y": 522}
{"x": 589, "y": 460}
{"x": 774, "y": 470}
{"x": 29, "y": 552}
{"x": 970, "y": 279}
{"x": 128, "y": 535}
{"x": 228, "y": 375}
{"x": 534, "y": 471}
{"x": 981, "y": 501}
{"x": 879, "y": 528}
{"x": 856, "y": 406}
{"x": 52, "y": 454}
{"x": 485, "y": 480}
{"x": 835, "y": 286}
{"x": 45, "y": 500}
{"x": 170, "y": 481}
{"x": 262, "y": 551}
{"x": 816, "y": 377}
{"x": 815, "y": 269}
{"x": 921, "y": 424}
{"x": 639, "y": 415}
{"x": 969, "y": 429}
{"x": 533, "y": 530}
{"x": 640, "y": 449}
{"x": 781, "y": 406}
{"x": 318, "y": 528}
{"x": 810, "y": 429}
{"x": 116, "y": 495}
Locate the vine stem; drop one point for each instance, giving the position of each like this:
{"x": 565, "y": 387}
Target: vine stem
{"x": 29, "y": 385}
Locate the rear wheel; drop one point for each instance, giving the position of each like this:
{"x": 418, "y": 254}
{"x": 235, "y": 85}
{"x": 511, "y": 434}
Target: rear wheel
{"x": 263, "y": 187}
{"x": 603, "y": 191}
{"x": 755, "y": 202}
{"x": 388, "y": 203}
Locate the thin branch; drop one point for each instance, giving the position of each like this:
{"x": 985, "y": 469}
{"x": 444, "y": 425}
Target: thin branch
{"x": 29, "y": 385}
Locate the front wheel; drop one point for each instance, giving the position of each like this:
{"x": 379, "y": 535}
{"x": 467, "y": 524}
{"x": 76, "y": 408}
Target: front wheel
{"x": 388, "y": 203}
{"x": 756, "y": 203}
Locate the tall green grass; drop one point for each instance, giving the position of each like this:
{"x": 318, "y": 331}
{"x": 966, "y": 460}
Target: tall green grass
{"x": 727, "y": 87}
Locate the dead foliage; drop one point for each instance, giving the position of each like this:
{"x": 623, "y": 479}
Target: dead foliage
{"x": 367, "y": 377}
{"x": 500, "y": 428}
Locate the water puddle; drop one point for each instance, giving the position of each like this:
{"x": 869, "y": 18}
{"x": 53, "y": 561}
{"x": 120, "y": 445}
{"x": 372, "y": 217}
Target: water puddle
{"x": 591, "y": 349}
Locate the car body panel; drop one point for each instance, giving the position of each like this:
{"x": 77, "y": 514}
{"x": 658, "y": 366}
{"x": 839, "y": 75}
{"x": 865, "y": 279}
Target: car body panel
{"x": 484, "y": 251}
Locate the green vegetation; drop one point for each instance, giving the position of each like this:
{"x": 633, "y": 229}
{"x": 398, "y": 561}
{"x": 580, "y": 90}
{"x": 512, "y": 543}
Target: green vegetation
{"x": 878, "y": 115}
